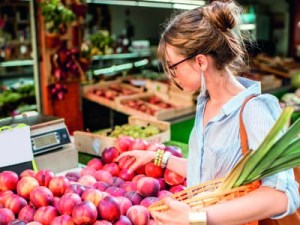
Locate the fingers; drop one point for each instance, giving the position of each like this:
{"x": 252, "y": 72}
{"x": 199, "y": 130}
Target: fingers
{"x": 134, "y": 166}
{"x": 124, "y": 154}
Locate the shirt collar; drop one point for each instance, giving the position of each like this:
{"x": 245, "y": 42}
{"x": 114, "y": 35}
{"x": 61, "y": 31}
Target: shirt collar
{"x": 252, "y": 87}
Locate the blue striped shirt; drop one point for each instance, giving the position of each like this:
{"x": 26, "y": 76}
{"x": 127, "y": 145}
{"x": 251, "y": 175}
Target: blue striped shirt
{"x": 213, "y": 152}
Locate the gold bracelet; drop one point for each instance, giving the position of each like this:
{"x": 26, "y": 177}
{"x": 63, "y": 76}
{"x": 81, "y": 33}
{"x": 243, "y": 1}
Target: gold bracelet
{"x": 197, "y": 218}
{"x": 158, "y": 157}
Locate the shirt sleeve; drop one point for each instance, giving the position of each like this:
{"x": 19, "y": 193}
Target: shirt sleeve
{"x": 259, "y": 115}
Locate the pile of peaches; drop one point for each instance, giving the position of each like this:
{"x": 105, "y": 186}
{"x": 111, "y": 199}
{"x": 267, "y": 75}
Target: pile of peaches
{"x": 104, "y": 192}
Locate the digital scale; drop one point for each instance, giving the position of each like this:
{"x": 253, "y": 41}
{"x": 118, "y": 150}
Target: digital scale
{"x": 47, "y": 133}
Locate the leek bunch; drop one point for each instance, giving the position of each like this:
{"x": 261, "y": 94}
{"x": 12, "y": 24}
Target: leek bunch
{"x": 275, "y": 154}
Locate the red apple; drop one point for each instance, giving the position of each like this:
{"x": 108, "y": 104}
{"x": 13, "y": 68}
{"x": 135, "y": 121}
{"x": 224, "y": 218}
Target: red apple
{"x": 27, "y": 213}
{"x": 146, "y": 202}
{"x": 173, "y": 178}
{"x": 6, "y": 215}
{"x": 154, "y": 146}
{"x": 41, "y": 196}
{"x": 139, "y": 144}
{"x": 124, "y": 143}
{"x": 67, "y": 202}
{"x": 87, "y": 171}
{"x": 8, "y": 181}
{"x": 110, "y": 154}
{"x": 125, "y": 175}
{"x": 45, "y": 214}
{"x": 100, "y": 185}
{"x": 148, "y": 186}
{"x": 93, "y": 195}
{"x": 62, "y": 220}
{"x": 124, "y": 203}
{"x": 44, "y": 177}
{"x": 113, "y": 168}
{"x": 15, "y": 203}
{"x": 151, "y": 170}
{"x": 95, "y": 163}
{"x": 129, "y": 186}
{"x": 17, "y": 222}
{"x": 138, "y": 215}
{"x": 58, "y": 185}
{"x": 26, "y": 185}
{"x": 84, "y": 213}
{"x": 115, "y": 191}
{"x": 123, "y": 220}
{"x": 109, "y": 208}
{"x": 138, "y": 177}
{"x": 75, "y": 188}
{"x": 27, "y": 173}
{"x": 140, "y": 170}
{"x": 87, "y": 180}
{"x": 102, "y": 175}
{"x": 177, "y": 188}
{"x": 134, "y": 197}
{"x": 174, "y": 150}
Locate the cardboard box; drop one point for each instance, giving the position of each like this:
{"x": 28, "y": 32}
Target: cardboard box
{"x": 94, "y": 144}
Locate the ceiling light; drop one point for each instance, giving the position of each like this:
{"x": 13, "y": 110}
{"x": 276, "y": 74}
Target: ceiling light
{"x": 184, "y": 6}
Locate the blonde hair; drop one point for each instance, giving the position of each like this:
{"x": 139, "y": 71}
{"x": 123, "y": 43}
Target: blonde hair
{"x": 211, "y": 30}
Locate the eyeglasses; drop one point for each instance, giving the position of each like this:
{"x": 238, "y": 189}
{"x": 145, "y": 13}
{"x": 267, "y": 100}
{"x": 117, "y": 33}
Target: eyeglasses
{"x": 172, "y": 70}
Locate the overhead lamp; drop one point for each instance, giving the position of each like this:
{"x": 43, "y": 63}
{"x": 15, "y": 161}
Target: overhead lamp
{"x": 154, "y": 4}
{"x": 184, "y": 6}
{"x": 113, "y": 2}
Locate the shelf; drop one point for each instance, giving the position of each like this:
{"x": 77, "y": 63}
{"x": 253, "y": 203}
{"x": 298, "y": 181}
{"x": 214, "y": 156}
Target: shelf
{"x": 122, "y": 56}
{"x": 13, "y": 63}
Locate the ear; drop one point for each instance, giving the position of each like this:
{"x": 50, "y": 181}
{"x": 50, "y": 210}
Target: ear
{"x": 202, "y": 61}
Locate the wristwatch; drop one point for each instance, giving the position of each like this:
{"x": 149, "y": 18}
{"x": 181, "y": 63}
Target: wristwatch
{"x": 197, "y": 218}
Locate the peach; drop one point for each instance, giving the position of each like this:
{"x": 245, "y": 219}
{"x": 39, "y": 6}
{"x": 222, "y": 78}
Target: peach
{"x": 41, "y": 196}
{"x": 67, "y": 202}
{"x": 73, "y": 176}
{"x": 17, "y": 222}
{"x": 102, "y": 175}
{"x": 112, "y": 168}
{"x": 115, "y": 191}
{"x": 6, "y": 215}
{"x": 137, "y": 177}
{"x": 129, "y": 186}
{"x": 177, "y": 188}
{"x": 27, "y": 173}
{"x": 45, "y": 214}
{"x": 109, "y": 208}
{"x": 134, "y": 197}
{"x": 44, "y": 177}
{"x": 34, "y": 223}
{"x": 84, "y": 213}
{"x": 4, "y": 195}
{"x": 27, "y": 213}
{"x": 138, "y": 215}
{"x": 163, "y": 185}
{"x": 26, "y": 185}
{"x": 102, "y": 222}
{"x": 148, "y": 186}
{"x": 124, "y": 203}
{"x": 95, "y": 163}
{"x": 151, "y": 170}
{"x": 87, "y": 171}
{"x": 87, "y": 180}
{"x": 8, "y": 181}
{"x": 172, "y": 178}
{"x": 110, "y": 154}
{"x": 163, "y": 194}
{"x": 100, "y": 185}
{"x": 148, "y": 201}
{"x": 117, "y": 181}
{"x": 62, "y": 220}
{"x": 75, "y": 188}
{"x": 123, "y": 220}
{"x": 15, "y": 203}
{"x": 55, "y": 202}
{"x": 58, "y": 185}
{"x": 93, "y": 195}
{"x": 125, "y": 175}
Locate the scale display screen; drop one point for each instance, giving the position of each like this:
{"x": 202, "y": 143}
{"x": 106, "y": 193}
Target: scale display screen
{"x": 45, "y": 140}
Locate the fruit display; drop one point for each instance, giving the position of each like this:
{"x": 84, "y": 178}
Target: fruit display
{"x": 103, "y": 192}
{"x": 134, "y": 131}
{"x": 113, "y": 91}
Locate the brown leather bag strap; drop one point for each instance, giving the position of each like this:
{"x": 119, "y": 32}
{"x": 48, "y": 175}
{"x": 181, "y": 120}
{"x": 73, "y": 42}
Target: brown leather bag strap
{"x": 243, "y": 133}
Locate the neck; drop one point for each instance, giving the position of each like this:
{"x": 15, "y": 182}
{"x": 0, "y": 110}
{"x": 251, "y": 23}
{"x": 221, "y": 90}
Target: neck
{"x": 222, "y": 86}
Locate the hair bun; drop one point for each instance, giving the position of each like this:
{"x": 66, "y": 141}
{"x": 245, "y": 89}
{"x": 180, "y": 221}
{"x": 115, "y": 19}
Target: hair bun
{"x": 222, "y": 14}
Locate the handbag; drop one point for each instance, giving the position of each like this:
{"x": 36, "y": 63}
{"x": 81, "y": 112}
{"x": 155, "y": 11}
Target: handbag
{"x": 293, "y": 219}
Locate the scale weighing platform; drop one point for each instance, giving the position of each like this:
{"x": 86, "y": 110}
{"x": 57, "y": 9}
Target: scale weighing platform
{"x": 47, "y": 133}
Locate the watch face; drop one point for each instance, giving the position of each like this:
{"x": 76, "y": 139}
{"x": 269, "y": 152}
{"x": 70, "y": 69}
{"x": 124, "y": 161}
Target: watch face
{"x": 197, "y": 218}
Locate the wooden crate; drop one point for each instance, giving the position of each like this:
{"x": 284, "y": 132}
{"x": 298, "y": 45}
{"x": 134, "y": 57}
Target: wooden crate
{"x": 180, "y": 108}
{"x": 88, "y": 93}
{"x": 94, "y": 144}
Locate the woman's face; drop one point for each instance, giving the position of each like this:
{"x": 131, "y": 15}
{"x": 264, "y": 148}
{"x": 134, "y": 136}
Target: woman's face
{"x": 187, "y": 73}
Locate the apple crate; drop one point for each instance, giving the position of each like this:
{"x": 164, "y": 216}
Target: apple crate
{"x": 94, "y": 144}
{"x": 139, "y": 105}
{"x": 105, "y": 93}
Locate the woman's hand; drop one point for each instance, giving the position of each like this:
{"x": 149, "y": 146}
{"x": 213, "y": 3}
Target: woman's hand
{"x": 178, "y": 213}
{"x": 136, "y": 158}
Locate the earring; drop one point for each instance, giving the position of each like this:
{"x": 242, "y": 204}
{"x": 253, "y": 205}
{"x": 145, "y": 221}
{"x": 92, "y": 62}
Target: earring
{"x": 203, "y": 85}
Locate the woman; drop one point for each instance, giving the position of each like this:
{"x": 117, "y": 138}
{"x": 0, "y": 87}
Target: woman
{"x": 200, "y": 48}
